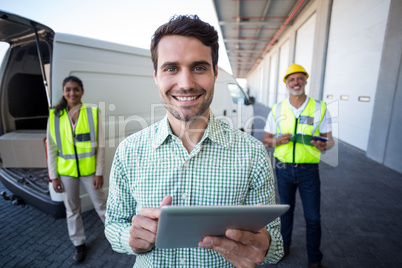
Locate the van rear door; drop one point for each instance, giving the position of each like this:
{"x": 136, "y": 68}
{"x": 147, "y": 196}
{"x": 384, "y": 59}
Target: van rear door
{"x": 24, "y": 108}
{"x": 18, "y": 30}
{"x": 24, "y": 99}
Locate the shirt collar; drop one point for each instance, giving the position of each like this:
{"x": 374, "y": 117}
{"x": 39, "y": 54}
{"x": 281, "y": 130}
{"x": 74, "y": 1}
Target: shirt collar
{"x": 215, "y": 132}
{"x": 160, "y": 131}
{"x": 301, "y": 107}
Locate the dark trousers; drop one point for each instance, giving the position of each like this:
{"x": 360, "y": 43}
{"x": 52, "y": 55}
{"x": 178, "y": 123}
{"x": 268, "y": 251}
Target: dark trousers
{"x": 306, "y": 177}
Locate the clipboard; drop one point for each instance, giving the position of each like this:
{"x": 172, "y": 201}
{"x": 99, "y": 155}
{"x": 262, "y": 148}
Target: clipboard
{"x": 306, "y": 139}
{"x": 186, "y": 226}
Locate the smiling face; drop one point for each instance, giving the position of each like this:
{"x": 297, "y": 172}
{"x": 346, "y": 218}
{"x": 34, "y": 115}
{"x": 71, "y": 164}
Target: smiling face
{"x": 185, "y": 77}
{"x": 296, "y": 83}
{"x": 72, "y": 92}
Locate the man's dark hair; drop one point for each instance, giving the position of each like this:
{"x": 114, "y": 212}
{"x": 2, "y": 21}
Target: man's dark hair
{"x": 190, "y": 26}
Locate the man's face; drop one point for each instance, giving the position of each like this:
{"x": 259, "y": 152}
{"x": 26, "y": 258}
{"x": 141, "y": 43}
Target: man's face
{"x": 185, "y": 77}
{"x": 296, "y": 83}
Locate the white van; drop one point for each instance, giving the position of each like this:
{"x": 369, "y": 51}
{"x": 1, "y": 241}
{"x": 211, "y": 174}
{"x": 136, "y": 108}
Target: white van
{"x": 117, "y": 78}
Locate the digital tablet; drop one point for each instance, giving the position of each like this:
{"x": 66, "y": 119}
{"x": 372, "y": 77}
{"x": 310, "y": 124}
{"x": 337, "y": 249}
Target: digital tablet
{"x": 186, "y": 226}
{"x": 306, "y": 139}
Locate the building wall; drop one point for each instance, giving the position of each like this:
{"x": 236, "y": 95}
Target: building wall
{"x": 385, "y": 144}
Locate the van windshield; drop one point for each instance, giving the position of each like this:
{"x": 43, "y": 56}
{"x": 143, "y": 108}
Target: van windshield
{"x": 238, "y": 96}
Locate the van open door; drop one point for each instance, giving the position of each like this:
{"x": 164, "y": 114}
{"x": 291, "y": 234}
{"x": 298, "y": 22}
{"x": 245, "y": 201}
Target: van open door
{"x": 21, "y": 30}
{"x": 24, "y": 106}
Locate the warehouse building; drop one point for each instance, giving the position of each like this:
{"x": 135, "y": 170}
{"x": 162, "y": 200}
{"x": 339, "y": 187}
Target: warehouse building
{"x": 351, "y": 49}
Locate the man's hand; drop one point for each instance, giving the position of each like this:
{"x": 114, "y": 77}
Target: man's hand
{"x": 322, "y": 146}
{"x": 240, "y": 248}
{"x": 144, "y": 227}
{"x": 270, "y": 140}
{"x": 283, "y": 139}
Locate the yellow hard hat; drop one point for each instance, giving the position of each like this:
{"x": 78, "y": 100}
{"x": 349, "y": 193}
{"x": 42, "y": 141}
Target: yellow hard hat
{"x": 295, "y": 68}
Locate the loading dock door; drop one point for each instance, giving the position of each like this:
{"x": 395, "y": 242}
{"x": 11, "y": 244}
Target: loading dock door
{"x": 283, "y": 66}
{"x": 273, "y": 75}
{"x": 354, "y": 53}
{"x": 305, "y": 46}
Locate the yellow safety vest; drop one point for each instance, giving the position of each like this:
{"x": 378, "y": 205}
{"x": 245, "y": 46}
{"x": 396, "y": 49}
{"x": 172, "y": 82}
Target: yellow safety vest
{"x": 308, "y": 123}
{"x": 76, "y": 151}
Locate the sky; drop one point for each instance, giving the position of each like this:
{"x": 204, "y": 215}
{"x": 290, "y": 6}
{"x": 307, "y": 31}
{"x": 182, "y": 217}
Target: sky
{"x": 128, "y": 22}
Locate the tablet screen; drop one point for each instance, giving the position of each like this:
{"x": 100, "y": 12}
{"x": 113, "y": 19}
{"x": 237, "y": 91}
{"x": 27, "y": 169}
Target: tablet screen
{"x": 186, "y": 226}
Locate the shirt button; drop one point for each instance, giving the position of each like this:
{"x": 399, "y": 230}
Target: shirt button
{"x": 185, "y": 164}
{"x": 183, "y": 196}
{"x": 182, "y": 261}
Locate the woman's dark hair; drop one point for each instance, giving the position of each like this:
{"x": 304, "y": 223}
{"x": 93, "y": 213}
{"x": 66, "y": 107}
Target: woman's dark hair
{"x": 190, "y": 26}
{"x": 59, "y": 108}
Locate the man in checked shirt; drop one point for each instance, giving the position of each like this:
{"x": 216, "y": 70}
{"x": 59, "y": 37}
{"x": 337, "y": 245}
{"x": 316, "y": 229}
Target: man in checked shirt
{"x": 189, "y": 158}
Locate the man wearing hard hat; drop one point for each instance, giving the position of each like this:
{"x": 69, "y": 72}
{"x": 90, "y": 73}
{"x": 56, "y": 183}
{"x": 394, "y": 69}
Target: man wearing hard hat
{"x": 299, "y": 128}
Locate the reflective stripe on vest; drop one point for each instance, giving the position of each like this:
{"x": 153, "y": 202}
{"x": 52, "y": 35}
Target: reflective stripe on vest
{"x": 308, "y": 123}
{"x": 76, "y": 152}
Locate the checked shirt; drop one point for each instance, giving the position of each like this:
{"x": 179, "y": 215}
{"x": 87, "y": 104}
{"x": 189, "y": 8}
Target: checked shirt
{"x": 227, "y": 167}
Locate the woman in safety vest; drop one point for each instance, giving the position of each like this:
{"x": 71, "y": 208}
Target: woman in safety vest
{"x": 76, "y": 153}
